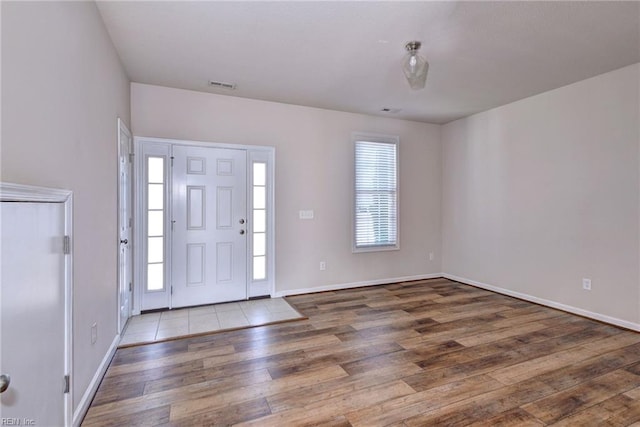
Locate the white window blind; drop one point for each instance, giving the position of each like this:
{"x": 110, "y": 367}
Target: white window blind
{"x": 376, "y": 196}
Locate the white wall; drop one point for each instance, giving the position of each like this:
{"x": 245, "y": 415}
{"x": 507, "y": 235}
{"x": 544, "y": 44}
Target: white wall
{"x": 313, "y": 171}
{"x": 543, "y": 192}
{"x": 63, "y": 88}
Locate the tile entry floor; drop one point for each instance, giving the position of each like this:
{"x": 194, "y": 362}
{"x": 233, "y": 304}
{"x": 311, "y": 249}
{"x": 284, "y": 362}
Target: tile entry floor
{"x": 152, "y": 327}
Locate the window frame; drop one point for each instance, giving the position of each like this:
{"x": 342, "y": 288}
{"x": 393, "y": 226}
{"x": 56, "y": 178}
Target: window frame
{"x": 252, "y": 229}
{"x": 147, "y": 209}
{"x": 383, "y": 139}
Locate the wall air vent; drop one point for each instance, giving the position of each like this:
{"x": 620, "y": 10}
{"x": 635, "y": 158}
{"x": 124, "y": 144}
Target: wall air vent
{"x": 223, "y": 85}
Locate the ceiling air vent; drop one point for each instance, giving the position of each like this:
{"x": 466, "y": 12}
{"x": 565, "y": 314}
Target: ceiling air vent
{"x": 223, "y": 85}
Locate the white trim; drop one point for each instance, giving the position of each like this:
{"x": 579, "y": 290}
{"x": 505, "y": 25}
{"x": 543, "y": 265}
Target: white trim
{"x": 259, "y": 289}
{"x": 160, "y": 298}
{"x": 68, "y": 296}
{"x": 341, "y": 286}
{"x": 89, "y": 394}
{"x": 122, "y": 128}
{"x": 259, "y": 152}
{"x": 568, "y": 308}
{"x": 28, "y": 193}
{"x": 10, "y": 192}
{"x": 138, "y": 139}
{"x": 271, "y": 222}
{"x": 265, "y": 286}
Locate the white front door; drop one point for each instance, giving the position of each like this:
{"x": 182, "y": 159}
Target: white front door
{"x": 33, "y": 313}
{"x": 125, "y": 256}
{"x": 209, "y": 238}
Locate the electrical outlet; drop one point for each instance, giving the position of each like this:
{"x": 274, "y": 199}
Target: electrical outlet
{"x": 323, "y": 265}
{"x": 431, "y": 256}
{"x": 586, "y": 284}
{"x": 94, "y": 333}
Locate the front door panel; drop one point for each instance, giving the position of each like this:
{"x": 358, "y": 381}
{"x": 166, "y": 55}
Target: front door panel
{"x": 209, "y": 208}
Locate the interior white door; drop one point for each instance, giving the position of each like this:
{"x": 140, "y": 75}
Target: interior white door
{"x": 209, "y": 208}
{"x": 125, "y": 219}
{"x": 33, "y": 313}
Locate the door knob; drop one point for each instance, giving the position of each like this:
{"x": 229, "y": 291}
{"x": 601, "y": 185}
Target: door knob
{"x": 125, "y": 241}
{"x": 241, "y": 221}
{"x": 5, "y": 380}
{"x": 241, "y": 231}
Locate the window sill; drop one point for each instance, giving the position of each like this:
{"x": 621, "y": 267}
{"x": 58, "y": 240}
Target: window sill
{"x": 375, "y": 249}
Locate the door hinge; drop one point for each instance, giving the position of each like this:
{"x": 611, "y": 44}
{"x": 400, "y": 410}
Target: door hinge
{"x": 66, "y": 245}
{"x": 67, "y": 384}
{"x": 172, "y": 160}
{"x": 130, "y": 287}
{"x": 131, "y": 155}
{"x": 171, "y": 290}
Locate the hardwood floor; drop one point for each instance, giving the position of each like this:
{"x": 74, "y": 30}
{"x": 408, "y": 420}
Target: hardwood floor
{"x": 427, "y": 353}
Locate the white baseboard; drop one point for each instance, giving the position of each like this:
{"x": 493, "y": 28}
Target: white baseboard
{"x": 83, "y": 406}
{"x": 553, "y": 304}
{"x": 340, "y": 286}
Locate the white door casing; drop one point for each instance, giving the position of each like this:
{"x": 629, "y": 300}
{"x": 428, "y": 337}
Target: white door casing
{"x": 35, "y": 317}
{"x": 209, "y": 223}
{"x": 125, "y": 235}
{"x": 149, "y": 296}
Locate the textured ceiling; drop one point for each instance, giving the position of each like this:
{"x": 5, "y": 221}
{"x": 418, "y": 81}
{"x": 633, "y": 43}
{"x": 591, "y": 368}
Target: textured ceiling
{"x": 347, "y": 55}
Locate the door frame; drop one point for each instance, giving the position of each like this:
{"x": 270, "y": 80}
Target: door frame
{"x": 10, "y": 192}
{"x": 123, "y": 128}
{"x": 260, "y": 153}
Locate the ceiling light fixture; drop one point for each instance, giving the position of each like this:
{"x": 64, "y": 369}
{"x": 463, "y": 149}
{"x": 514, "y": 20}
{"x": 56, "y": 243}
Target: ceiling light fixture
{"x": 415, "y": 67}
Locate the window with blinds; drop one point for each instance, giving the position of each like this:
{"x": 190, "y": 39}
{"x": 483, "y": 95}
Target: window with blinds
{"x": 376, "y": 194}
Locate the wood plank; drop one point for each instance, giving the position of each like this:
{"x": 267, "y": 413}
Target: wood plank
{"x": 570, "y": 376}
{"x": 514, "y": 417}
{"x": 633, "y": 394}
{"x": 329, "y": 407}
{"x": 309, "y": 394}
{"x": 567, "y": 402}
{"x": 317, "y": 359}
{"x": 229, "y": 415}
{"x": 172, "y": 360}
{"x": 209, "y": 376}
{"x": 145, "y": 417}
{"x": 483, "y": 406}
{"x": 186, "y": 409}
{"x": 534, "y": 367}
{"x": 396, "y": 410}
{"x": 615, "y": 411}
{"x": 499, "y": 334}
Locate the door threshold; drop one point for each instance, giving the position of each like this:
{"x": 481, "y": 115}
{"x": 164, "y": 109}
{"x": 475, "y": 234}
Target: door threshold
{"x": 160, "y": 310}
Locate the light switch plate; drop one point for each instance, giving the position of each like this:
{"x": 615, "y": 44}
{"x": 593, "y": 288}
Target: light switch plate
{"x": 306, "y": 214}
